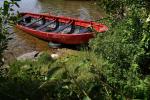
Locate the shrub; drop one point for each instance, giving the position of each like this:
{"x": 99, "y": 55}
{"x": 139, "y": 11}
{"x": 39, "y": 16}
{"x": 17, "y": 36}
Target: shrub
{"x": 6, "y": 17}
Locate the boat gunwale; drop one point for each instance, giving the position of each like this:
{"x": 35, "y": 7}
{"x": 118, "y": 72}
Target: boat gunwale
{"x": 91, "y": 23}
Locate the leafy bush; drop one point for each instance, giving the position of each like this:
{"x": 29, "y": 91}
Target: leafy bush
{"x": 126, "y": 47}
{"x": 128, "y": 40}
{"x": 6, "y": 17}
{"x": 24, "y": 79}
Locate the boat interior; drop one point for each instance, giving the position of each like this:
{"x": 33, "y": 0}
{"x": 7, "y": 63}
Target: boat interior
{"x": 53, "y": 25}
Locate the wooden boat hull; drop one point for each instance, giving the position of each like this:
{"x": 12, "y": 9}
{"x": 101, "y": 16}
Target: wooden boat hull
{"x": 62, "y": 37}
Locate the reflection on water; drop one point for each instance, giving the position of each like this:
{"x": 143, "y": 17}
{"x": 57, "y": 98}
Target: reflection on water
{"x": 29, "y": 6}
{"x": 87, "y": 10}
{"x": 23, "y": 42}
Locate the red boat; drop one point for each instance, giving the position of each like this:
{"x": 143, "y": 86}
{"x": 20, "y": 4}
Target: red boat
{"x": 56, "y": 29}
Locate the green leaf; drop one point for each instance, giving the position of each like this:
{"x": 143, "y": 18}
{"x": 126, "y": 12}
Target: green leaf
{"x": 87, "y": 98}
{"x": 53, "y": 71}
{"x": 11, "y": 9}
{"x": 6, "y": 7}
{"x": 17, "y": 4}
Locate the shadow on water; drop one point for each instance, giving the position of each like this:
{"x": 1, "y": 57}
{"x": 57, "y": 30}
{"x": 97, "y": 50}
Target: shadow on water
{"x": 73, "y": 47}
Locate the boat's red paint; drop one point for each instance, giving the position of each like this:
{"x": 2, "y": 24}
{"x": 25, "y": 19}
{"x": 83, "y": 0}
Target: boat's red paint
{"x": 62, "y": 37}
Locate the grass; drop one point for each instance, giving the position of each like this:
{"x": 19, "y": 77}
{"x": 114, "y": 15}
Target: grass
{"x": 68, "y": 77}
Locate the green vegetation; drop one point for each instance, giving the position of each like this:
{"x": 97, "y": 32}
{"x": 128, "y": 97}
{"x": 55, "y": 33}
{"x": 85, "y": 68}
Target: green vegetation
{"x": 6, "y": 17}
{"x": 66, "y": 78}
{"x": 116, "y": 67}
{"x": 128, "y": 41}
{"x": 24, "y": 79}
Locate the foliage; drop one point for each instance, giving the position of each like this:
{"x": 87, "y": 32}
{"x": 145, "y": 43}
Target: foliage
{"x": 6, "y": 17}
{"x": 24, "y": 78}
{"x": 128, "y": 40}
{"x": 120, "y": 8}
{"x": 126, "y": 46}
{"x": 46, "y": 79}
{"x": 79, "y": 76}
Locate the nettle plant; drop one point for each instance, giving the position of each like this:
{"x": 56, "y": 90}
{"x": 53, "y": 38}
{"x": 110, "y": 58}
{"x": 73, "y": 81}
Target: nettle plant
{"x": 6, "y": 20}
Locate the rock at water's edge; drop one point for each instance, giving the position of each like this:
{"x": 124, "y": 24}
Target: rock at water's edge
{"x": 30, "y": 55}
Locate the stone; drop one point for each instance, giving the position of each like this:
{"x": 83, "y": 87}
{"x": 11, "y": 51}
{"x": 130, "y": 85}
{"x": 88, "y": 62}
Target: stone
{"x": 30, "y": 55}
{"x": 54, "y": 56}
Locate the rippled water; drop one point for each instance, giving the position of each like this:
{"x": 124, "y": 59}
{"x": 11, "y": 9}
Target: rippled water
{"x": 23, "y": 42}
